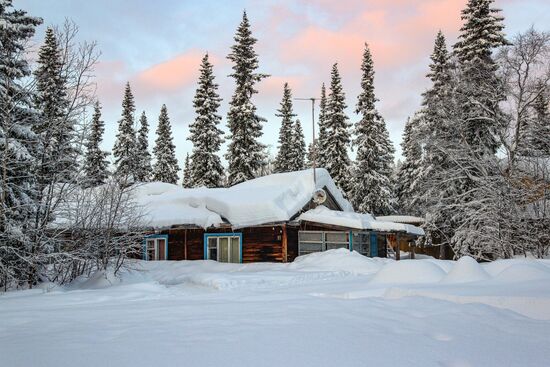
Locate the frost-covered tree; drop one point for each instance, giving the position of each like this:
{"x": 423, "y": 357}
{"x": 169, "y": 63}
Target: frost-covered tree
{"x": 298, "y": 147}
{"x": 124, "y": 150}
{"x": 409, "y": 172}
{"x": 372, "y": 185}
{"x": 480, "y": 91}
{"x": 205, "y": 134}
{"x": 166, "y": 165}
{"x": 322, "y": 150}
{"x": 143, "y": 157}
{"x": 17, "y": 144}
{"x": 56, "y": 130}
{"x": 338, "y": 134}
{"x": 284, "y": 162}
{"x": 538, "y": 130}
{"x": 95, "y": 162}
{"x": 244, "y": 153}
{"x": 187, "y": 174}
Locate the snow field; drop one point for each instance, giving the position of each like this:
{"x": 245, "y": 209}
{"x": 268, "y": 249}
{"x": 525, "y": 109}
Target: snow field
{"x": 336, "y": 308}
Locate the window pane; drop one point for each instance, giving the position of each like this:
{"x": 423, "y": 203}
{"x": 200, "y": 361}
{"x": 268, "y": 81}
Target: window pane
{"x": 212, "y": 242}
{"x": 150, "y": 249}
{"x": 235, "y": 253}
{"x": 337, "y": 237}
{"x": 223, "y": 249}
{"x": 311, "y": 236}
{"x": 310, "y": 247}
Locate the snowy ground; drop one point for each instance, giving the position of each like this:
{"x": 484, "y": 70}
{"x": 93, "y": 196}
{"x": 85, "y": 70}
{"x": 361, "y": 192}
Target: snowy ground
{"x": 332, "y": 309}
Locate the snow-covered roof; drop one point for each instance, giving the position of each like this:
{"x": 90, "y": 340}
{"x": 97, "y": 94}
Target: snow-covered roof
{"x": 268, "y": 199}
{"x": 322, "y": 214}
{"x": 400, "y": 219}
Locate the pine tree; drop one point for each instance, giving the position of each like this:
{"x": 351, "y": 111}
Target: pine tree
{"x": 245, "y": 152}
{"x": 338, "y": 135}
{"x": 166, "y": 165}
{"x": 17, "y": 143}
{"x": 56, "y": 131}
{"x": 125, "y": 144}
{"x": 322, "y": 150}
{"x": 298, "y": 147}
{"x": 95, "y": 162}
{"x": 372, "y": 185}
{"x": 407, "y": 191}
{"x": 143, "y": 169}
{"x": 284, "y": 160}
{"x": 187, "y": 174}
{"x": 205, "y": 134}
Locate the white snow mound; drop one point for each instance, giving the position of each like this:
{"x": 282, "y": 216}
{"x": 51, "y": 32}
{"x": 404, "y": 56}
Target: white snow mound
{"x": 338, "y": 260}
{"x": 409, "y": 272}
{"x": 465, "y": 270}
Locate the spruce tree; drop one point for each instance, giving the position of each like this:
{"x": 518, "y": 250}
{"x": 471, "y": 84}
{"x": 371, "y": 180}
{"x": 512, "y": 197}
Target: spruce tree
{"x": 166, "y": 165}
{"x": 372, "y": 185}
{"x": 407, "y": 191}
{"x": 18, "y": 153}
{"x": 322, "y": 140}
{"x": 480, "y": 92}
{"x": 284, "y": 162}
{"x": 55, "y": 129}
{"x": 187, "y": 174}
{"x": 245, "y": 152}
{"x": 124, "y": 150}
{"x": 338, "y": 135}
{"x": 298, "y": 147}
{"x": 143, "y": 169}
{"x": 538, "y": 128}
{"x": 205, "y": 134}
{"x": 95, "y": 162}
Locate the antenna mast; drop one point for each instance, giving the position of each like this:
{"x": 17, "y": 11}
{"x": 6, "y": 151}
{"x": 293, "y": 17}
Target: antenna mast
{"x": 314, "y": 152}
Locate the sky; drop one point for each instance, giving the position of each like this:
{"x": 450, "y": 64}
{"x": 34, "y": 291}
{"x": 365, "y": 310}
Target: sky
{"x": 157, "y": 46}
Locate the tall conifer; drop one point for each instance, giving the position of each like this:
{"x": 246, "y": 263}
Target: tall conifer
{"x": 166, "y": 165}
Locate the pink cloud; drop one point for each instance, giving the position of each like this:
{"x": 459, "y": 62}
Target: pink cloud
{"x": 173, "y": 74}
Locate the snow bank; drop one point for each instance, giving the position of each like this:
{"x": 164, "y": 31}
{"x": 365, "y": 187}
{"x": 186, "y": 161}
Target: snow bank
{"x": 409, "y": 272}
{"x": 466, "y": 269}
{"x": 322, "y": 214}
{"x": 338, "y": 260}
{"x": 272, "y": 198}
{"x": 400, "y": 219}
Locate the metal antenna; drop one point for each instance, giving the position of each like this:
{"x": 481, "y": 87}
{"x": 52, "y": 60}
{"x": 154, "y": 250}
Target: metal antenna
{"x": 312, "y": 99}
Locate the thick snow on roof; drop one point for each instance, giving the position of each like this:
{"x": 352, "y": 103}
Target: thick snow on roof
{"x": 322, "y": 214}
{"x": 400, "y": 219}
{"x": 267, "y": 199}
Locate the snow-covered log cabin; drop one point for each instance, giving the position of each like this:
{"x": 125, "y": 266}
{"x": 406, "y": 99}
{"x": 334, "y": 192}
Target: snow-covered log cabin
{"x": 273, "y": 218}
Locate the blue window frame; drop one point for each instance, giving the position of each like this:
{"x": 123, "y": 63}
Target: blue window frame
{"x": 212, "y": 245}
{"x": 154, "y": 241}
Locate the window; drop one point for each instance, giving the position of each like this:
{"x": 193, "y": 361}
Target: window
{"x": 317, "y": 241}
{"x": 155, "y": 247}
{"x": 223, "y": 247}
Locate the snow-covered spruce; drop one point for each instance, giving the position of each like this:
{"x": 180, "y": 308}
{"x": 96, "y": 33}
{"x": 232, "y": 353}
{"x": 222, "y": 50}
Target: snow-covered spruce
{"x": 244, "y": 153}
{"x": 204, "y": 132}
{"x": 166, "y": 165}
{"x": 338, "y": 134}
{"x": 95, "y": 162}
{"x": 18, "y": 144}
{"x": 299, "y": 147}
{"x": 372, "y": 185}
{"x": 55, "y": 129}
{"x": 143, "y": 157}
{"x": 407, "y": 190}
{"x": 284, "y": 162}
{"x": 187, "y": 167}
{"x": 125, "y": 144}
{"x": 322, "y": 150}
